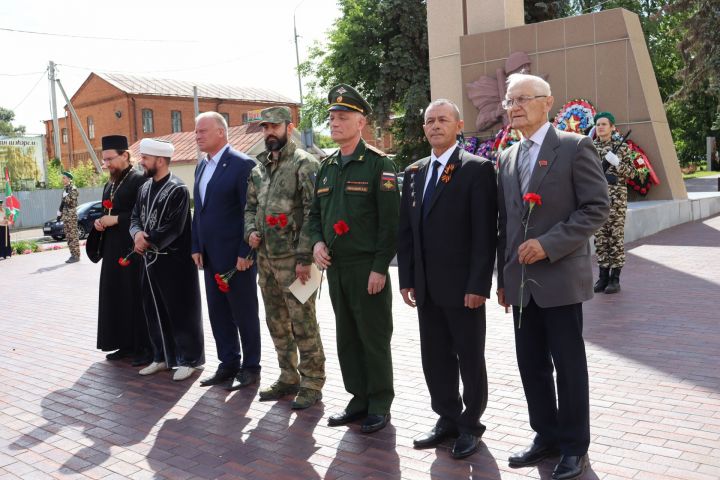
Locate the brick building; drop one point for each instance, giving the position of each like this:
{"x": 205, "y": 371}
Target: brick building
{"x": 139, "y": 107}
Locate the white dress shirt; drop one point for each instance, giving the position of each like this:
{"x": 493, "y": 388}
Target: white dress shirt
{"x": 443, "y": 159}
{"x": 211, "y": 164}
{"x": 537, "y": 138}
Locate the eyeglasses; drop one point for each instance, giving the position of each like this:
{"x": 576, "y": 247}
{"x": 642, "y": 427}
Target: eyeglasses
{"x": 110, "y": 159}
{"x": 519, "y": 101}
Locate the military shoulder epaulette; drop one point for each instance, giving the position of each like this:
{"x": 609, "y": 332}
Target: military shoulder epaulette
{"x": 376, "y": 150}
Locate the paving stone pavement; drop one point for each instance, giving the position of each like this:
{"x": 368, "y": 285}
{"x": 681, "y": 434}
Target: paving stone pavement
{"x": 654, "y": 359}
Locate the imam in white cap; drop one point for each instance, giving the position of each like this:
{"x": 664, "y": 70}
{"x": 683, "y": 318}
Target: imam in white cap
{"x": 156, "y": 148}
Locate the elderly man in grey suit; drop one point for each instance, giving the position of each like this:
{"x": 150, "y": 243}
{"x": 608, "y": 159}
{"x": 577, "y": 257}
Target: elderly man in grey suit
{"x": 564, "y": 169}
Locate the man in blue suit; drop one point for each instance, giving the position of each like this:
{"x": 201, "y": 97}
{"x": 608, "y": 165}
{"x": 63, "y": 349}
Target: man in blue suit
{"x": 218, "y": 247}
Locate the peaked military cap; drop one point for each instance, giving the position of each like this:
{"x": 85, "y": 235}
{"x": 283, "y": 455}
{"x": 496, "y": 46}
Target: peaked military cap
{"x": 275, "y": 115}
{"x": 345, "y": 97}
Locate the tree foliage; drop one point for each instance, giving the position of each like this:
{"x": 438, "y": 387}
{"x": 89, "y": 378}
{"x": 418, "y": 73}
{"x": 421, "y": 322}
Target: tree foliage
{"x": 380, "y": 47}
{"x": 6, "y": 127}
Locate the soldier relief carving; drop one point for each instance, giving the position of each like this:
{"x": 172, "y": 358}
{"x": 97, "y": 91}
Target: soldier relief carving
{"x": 487, "y": 92}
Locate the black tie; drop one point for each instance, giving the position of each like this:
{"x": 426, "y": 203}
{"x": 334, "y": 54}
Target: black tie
{"x": 430, "y": 190}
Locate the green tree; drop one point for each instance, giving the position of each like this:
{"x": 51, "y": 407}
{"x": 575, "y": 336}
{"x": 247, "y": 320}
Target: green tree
{"x": 380, "y": 47}
{"x": 6, "y": 127}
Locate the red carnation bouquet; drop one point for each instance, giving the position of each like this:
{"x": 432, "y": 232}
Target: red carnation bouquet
{"x": 532, "y": 199}
{"x": 279, "y": 221}
{"x": 223, "y": 280}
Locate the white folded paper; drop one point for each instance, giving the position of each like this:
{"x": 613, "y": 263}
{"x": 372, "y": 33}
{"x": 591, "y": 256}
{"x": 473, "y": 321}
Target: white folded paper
{"x": 303, "y": 292}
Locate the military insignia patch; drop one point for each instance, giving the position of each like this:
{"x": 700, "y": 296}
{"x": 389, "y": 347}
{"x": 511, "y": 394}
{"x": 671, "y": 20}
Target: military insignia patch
{"x": 388, "y": 182}
{"x": 341, "y": 90}
{"x": 338, "y": 99}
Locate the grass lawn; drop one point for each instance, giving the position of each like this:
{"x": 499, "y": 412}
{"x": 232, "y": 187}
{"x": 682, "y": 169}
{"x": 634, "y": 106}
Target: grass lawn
{"x": 699, "y": 174}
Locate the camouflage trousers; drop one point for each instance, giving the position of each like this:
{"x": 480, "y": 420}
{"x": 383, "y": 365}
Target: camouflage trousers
{"x": 610, "y": 239}
{"x": 70, "y": 225}
{"x": 293, "y": 326}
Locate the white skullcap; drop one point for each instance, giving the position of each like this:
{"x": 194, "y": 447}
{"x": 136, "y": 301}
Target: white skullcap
{"x": 156, "y": 148}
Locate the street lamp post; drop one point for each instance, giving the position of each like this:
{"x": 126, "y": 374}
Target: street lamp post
{"x": 307, "y": 135}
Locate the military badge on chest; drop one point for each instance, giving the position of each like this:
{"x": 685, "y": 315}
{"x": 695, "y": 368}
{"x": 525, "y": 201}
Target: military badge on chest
{"x": 412, "y": 171}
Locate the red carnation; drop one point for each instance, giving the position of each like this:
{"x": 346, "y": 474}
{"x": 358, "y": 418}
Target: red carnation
{"x": 107, "y": 204}
{"x": 643, "y": 190}
{"x": 270, "y": 220}
{"x": 341, "y": 228}
{"x": 533, "y": 198}
{"x": 636, "y": 188}
{"x": 124, "y": 262}
{"x": 224, "y": 287}
{"x": 282, "y": 220}
{"x": 218, "y": 279}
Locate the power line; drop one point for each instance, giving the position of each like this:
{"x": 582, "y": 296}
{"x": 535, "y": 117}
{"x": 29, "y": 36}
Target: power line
{"x": 198, "y": 67}
{"x": 19, "y": 74}
{"x": 31, "y": 91}
{"x": 90, "y": 37}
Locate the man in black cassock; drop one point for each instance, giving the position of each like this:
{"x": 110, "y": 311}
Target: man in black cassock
{"x": 121, "y": 321}
{"x": 160, "y": 228}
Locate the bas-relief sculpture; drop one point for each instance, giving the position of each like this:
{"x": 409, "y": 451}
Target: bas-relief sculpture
{"x": 487, "y": 92}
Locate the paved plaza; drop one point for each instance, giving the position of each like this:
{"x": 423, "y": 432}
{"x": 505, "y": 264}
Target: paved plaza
{"x": 654, "y": 359}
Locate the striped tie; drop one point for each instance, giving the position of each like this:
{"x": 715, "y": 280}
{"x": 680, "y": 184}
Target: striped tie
{"x": 525, "y": 165}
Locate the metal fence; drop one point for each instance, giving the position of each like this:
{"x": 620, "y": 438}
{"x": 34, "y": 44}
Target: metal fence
{"x": 39, "y": 206}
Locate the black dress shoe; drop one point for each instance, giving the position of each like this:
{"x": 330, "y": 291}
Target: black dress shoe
{"x": 344, "y": 417}
{"x": 570, "y": 467}
{"x": 373, "y": 423}
{"x": 223, "y": 375}
{"x": 465, "y": 445}
{"x": 434, "y": 437}
{"x": 533, "y": 454}
{"x": 243, "y": 379}
{"x": 119, "y": 355}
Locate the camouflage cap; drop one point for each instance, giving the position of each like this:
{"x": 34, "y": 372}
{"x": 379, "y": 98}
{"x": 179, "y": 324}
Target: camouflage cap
{"x": 345, "y": 97}
{"x": 275, "y": 115}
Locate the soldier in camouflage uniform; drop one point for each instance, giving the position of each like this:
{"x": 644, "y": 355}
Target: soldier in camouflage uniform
{"x": 610, "y": 239}
{"x": 280, "y": 193}
{"x": 68, "y": 215}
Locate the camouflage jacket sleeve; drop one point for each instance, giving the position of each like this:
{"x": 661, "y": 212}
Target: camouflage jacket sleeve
{"x": 306, "y": 174}
{"x": 626, "y": 168}
{"x": 251, "y": 205}
{"x": 315, "y": 231}
{"x": 71, "y": 201}
{"x": 388, "y": 205}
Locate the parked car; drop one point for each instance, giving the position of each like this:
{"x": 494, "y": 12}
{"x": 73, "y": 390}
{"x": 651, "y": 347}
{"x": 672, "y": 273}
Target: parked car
{"x": 87, "y": 213}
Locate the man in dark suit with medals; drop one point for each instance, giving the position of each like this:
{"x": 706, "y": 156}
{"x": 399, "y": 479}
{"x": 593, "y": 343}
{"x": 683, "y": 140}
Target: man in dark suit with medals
{"x": 446, "y": 254}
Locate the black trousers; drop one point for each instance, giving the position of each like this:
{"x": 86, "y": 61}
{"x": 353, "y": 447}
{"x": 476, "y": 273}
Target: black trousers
{"x": 551, "y": 337}
{"x": 452, "y": 342}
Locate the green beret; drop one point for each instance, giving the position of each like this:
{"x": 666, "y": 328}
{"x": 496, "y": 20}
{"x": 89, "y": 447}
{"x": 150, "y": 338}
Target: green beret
{"x": 345, "y": 97}
{"x": 68, "y": 174}
{"x": 275, "y": 115}
{"x": 607, "y": 115}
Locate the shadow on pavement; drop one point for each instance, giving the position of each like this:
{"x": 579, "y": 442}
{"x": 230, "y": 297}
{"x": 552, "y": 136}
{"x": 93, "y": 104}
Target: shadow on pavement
{"x": 110, "y": 406}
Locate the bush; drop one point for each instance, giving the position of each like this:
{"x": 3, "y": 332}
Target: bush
{"x": 25, "y": 246}
{"x": 84, "y": 175}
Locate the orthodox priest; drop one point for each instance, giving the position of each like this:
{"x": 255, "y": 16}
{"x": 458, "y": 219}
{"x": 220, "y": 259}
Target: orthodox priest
{"x": 121, "y": 321}
{"x": 160, "y": 228}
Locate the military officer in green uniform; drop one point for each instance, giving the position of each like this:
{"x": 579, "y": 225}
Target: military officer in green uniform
{"x": 357, "y": 187}
{"x": 280, "y": 192}
{"x": 68, "y": 214}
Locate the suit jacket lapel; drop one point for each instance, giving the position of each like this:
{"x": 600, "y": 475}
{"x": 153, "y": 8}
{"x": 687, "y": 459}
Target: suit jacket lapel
{"x": 454, "y": 159}
{"x": 198, "y": 176}
{"x": 419, "y": 188}
{"x": 219, "y": 170}
{"x": 545, "y": 160}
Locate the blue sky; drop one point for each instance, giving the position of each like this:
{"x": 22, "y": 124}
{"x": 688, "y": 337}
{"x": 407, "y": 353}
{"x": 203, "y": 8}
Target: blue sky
{"x": 241, "y": 42}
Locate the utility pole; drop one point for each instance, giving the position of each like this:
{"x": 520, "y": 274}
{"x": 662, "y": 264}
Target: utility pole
{"x": 53, "y": 109}
{"x": 196, "y": 104}
{"x": 307, "y": 135}
{"x": 84, "y": 136}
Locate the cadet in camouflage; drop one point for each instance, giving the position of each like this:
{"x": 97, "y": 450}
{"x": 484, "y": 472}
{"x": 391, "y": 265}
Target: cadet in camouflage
{"x": 610, "y": 239}
{"x": 68, "y": 215}
{"x": 280, "y": 193}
